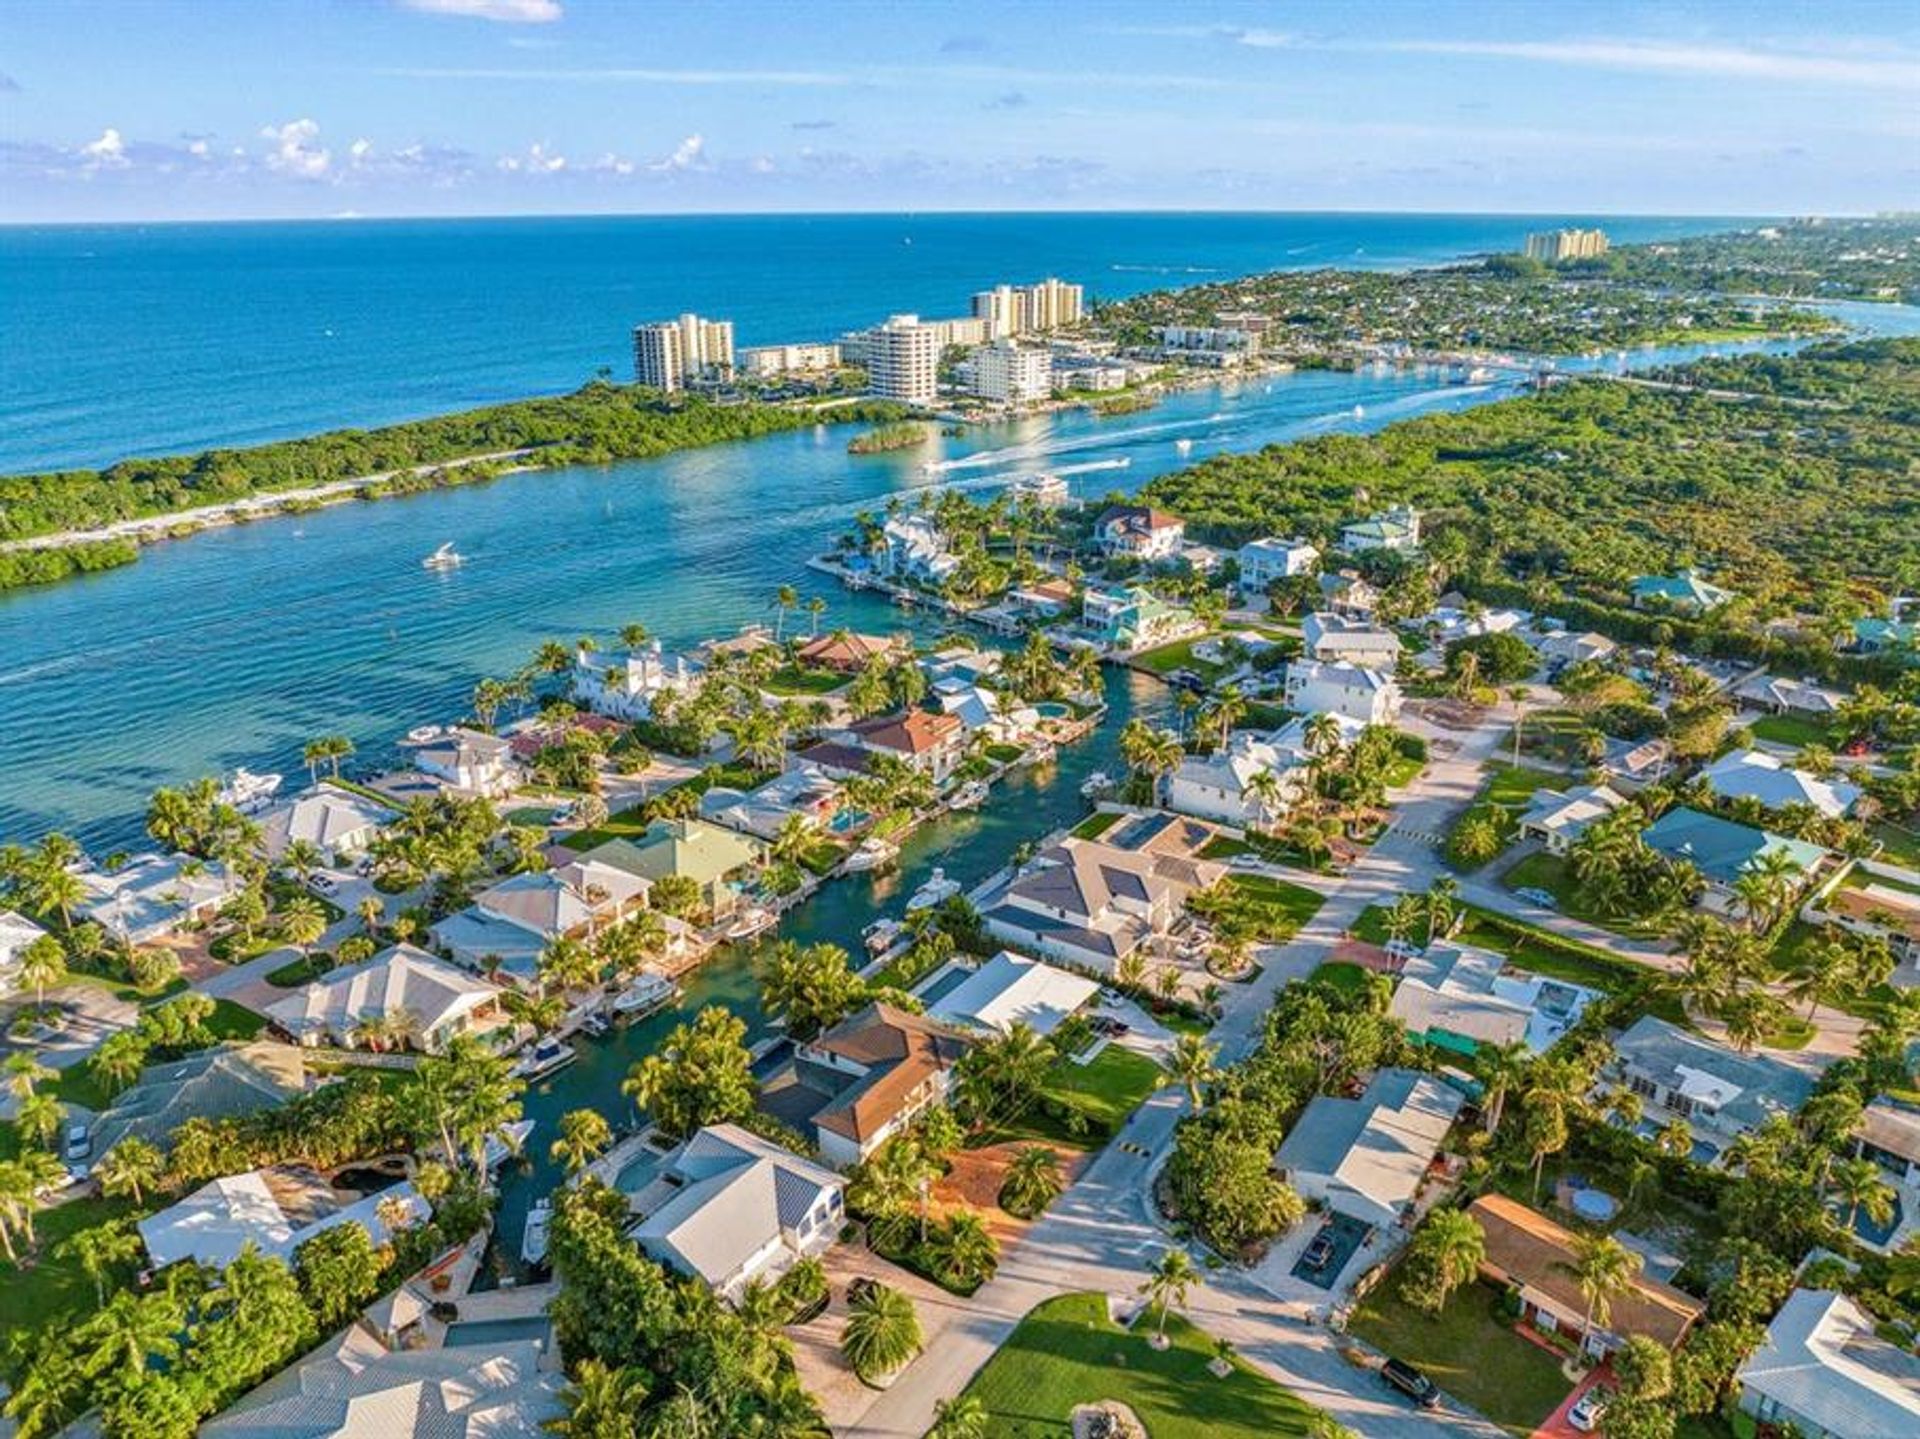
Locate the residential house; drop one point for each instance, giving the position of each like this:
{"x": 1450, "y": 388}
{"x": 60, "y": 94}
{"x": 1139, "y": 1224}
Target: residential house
{"x": 916, "y": 549}
{"x": 1889, "y": 1135}
{"x": 961, "y": 662}
{"x": 1686, "y": 593}
{"x": 512, "y": 923}
{"x": 1220, "y": 785}
{"x": 625, "y": 687}
{"x": 1266, "y": 560}
{"x": 361, "y": 1390}
{"x": 338, "y": 822}
{"x": 1826, "y": 1372}
{"x": 847, "y": 653}
{"x": 276, "y": 1210}
{"x": 1721, "y": 1094}
{"x": 1560, "y": 648}
{"x": 1366, "y": 1158}
{"x": 1756, "y": 775}
{"x": 1132, "y": 618}
{"x": 1347, "y": 593}
{"x": 1043, "y": 599}
{"x": 226, "y": 1081}
{"x": 438, "y": 1000}
{"x": 465, "y": 760}
{"x": 1897, "y": 639}
{"x": 1347, "y": 641}
{"x": 1723, "y": 851}
{"x": 1536, "y": 1258}
{"x": 1558, "y": 818}
{"x": 804, "y": 789}
{"x": 1008, "y": 990}
{"x": 1631, "y": 765}
{"x": 731, "y": 1208}
{"x": 1779, "y": 696}
{"x": 17, "y": 932}
{"x": 1397, "y": 529}
{"x": 1462, "y": 997}
{"x": 152, "y": 895}
{"x": 934, "y": 744}
{"x": 1448, "y": 624}
{"x": 882, "y": 1067}
{"x": 1356, "y": 692}
{"x": 1879, "y": 900}
{"x": 712, "y": 857}
{"x": 1139, "y": 532}
{"x": 1234, "y": 647}
{"x": 984, "y": 711}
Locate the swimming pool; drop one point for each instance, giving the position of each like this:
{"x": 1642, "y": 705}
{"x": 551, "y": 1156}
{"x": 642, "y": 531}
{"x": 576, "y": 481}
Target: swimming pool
{"x": 1053, "y": 709}
{"x": 941, "y": 985}
{"x": 847, "y": 819}
{"x": 474, "y": 1333}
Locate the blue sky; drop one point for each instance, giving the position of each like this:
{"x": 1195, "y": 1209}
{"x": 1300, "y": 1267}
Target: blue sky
{"x": 166, "y": 109}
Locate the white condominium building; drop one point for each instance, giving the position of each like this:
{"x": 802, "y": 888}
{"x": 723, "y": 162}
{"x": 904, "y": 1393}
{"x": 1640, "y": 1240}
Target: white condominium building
{"x": 669, "y": 353}
{"x": 1010, "y": 375}
{"x": 903, "y": 360}
{"x": 766, "y": 362}
{"x": 1010, "y": 310}
{"x": 1556, "y": 245}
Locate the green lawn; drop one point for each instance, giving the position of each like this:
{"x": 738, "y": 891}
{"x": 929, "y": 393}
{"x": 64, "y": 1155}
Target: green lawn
{"x": 795, "y": 680}
{"x": 301, "y": 971}
{"x": 1468, "y": 1352}
{"x": 1176, "y": 656}
{"x": 1098, "y": 823}
{"x": 1901, "y": 846}
{"x": 1513, "y": 785}
{"x": 1795, "y": 730}
{"x": 1068, "y": 1352}
{"x": 234, "y": 1021}
{"x": 1105, "y": 1092}
{"x": 1282, "y": 908}
{"x": 1552, "y": 873}
{"x": 54, "y": 1289}
{"x": 1341, "y": 975}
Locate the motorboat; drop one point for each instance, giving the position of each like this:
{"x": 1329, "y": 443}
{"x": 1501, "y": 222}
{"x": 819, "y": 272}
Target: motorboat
{"x": 970, "y": 795}
{"x": 546, "y": 1056}
{"x": 872, "y": 853}
{"x": 881, "y": 934}
{"x": 505, "y": 1142}
{"x": 937, "y": 890}
{"x": 533, "y": 1240}
{"x": 751, "y": 921}
{"x": 1096, "y": 784}
{"x": 1183, "y": 445}
{"x": 648, "y": 994}
{"x": 595, "y": 1025}
{"x": 247, "y": 791}
{"x": 444, "y": 558}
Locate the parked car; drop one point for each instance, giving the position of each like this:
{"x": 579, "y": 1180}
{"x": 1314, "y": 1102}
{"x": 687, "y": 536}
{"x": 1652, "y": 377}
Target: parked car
{"x": 1411, "y": 1382}
{"x": 79, "y": 1141}
{"x": 1585, "y": 1415}
{"x": 1537, "y": 896}
{"x": 1320, "y": 1252}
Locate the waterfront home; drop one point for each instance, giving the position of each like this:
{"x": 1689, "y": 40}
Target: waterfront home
{"x": 1557, "y": 819}
{"x": 847, "y": 653}
{"x": 915, "y": 549}
{"x": 402, "y": 993}
{"x": 226, "y": 1081}
{"x": 1345, "y": 592}
{"x": 984, "y": 711}
{"x": 803, "y": 789}
{"x": 356, "y": 1388}
{"x": 151, "y": 896}
{"x": 1826, "y": 1372}
{"x": 512, "y": 923}
{"x": 1559, "y": 648}
{"x": 1139, "y": 532}
{"x": 276, "y": 1210}
{"x": 836, "y": 759}
{"x": 1093, "y": 903}
{"x": 712, "y": 857}
{"x": 1397, "y": 529}
{"x": 1881, "y": 901}
{"x": 1723, "y": 851}
{"x": 1010, "y": 989}
{"x": 1687, "y": 593}
{"x": 882, "y": 1068}
{"x": 1043, "y": 599}
{"x": 1222, "y": 784}
{"x": 1779, "y": 696}
{"x": 1265, "y": 560}
{"x": 1461, "y": 997}
{"x": 17, "y": 932}
{"x": 1897, "y": 639}
{"x": 1331, "y": 637}
{"x": 1774, "y": 784}
{"x": 465, "y": 760}
{"x": 934, "y": 744}
{"x": 1889, "y": 1134}
{"x": 1356, "y": 692}
{"x": 624, "y": 687}
{"x": 338, "y": 822}
{"x": 961, "y": 662}
{"x": 1720, "y": 1093}
{"x": 1233, "y": 647}
{"x": 730, "y": 1208}
{"x": 1131, "y": 618}
{"x": 1366, "y": 1158}
{"x": 1538, "y": 1260}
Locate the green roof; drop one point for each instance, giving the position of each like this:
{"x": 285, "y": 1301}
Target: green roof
{"x": 1685, "y": 588}
{"x": 700, "y": 851}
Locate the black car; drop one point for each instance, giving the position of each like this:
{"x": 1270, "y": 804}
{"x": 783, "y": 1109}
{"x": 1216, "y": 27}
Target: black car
{"x": 1320, "y": 1252}
{"x": 1411, "y": 1382}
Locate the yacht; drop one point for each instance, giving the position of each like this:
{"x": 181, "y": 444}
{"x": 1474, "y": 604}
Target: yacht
{"x": 546, "y": 1056}
{"x": 648, "y": 994}
{"x": 444, "y": 558}
{"x": 505, "y": 1142}
{"x": 595, "y": 1025}
{"x": 880, "y": 935}
{"x": 247, "y": 791}
{"x": 970, "y": 795}
{"x": 1183, "y": 445}
{"x": 1097, "y": 784}
{"x": 872, "y": 853}
{"x": 533, "y": 1241}
{"x": 751, "y": 921}
{"x": 937, "y": 890}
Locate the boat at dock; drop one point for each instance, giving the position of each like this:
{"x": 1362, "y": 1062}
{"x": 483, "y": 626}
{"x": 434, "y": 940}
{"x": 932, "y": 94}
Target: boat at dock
{"x": 1097, "y": 784}
{"x": 937, "y": 890}
{"x": 970, "y": 795}
{"x": 504, "y": 1143}
{"x": 750, "y": 922}
{"x": 547, "y": 1056}
{"x": 533, "y": 1239}
{"x": 872, "y": 853}
{"x": 648, "y": 994}
{"x": 247, "y": 791}
{"x": 595, "y": 1026}
{"x": 444, "y": 558}
{"x": 880, "y": 935}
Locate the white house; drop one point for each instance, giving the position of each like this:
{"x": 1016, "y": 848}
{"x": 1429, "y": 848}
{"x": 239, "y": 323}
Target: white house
{"x": 625, "y": 688}
{"x": 1787, "y": 696}
{"x": 1826, "y": 1371}
{"x": 1265, "y": 560}
{"x": 1560, "y": 648}
{"x": 16, "y": 933}
{"x": 510, "y": 925}
{"x": 1141, "y": 532}
{"x": 439, "y": 1000}
{"x": 916, "y": 550}
{"x": 1347, "y": 641}
{"x": 1558, "y": 818}
{"x": 336, "y": 821}
{"x": 465, "y": 759}
{"x": 276, "y": 1210}
{"x": 1220, "y": 785}
{"x": 151, "y": 895}
{"x": 1366, "y": 1157}
{"x": 1720, "y": 1094}
{"x": 1009, "y": 990}
{"x": 1354, "y": 692}
{"x": 1757, "y": 775}
{"x": 1397, "y": 529}
{"x": 1460, "y": 997}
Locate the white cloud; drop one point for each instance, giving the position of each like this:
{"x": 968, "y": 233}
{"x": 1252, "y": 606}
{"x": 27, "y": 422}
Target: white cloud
{"x": 1660, "y": 58}
{"x": 507, "y": 12}
{"x": 537, "y": 161}
{"x": 359, "y": 153}
{"x": 612, "y": 164}
{"x": 296, "y": 150}
{"x": 109, "y": 152}
{"x": 689, "y": 154}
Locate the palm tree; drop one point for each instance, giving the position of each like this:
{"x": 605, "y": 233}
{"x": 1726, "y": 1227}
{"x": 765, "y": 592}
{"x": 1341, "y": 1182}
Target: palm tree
{"x": 1228, "y": 708}
{"x": 1265, "y": 790}
{"x": 784, "y": 601}
{"x": 961, "y": 1418}
{"x": 38, "y": 1118}
{"x": 584, "y": 1135}
{"x": 963, "y": 1251}
{"x": 601, "y": 1401}
{"x": 1858, "y": 1185}
{"x": 1453, "y": 1245}
{"x": 119, "y": 1060}
{"x": 1033, "y": 1181}
{"x": 1439, "y": 907}
{"x": 302, "y": 922}
{"x": 1501, "y": 1067}
{"x": 25, "y": 1074}
{"x": 882, "y": 1332}
{"x": 1167, "y": 1285}
{"x": 1191, "y": 1064}
{"x": 101, "y": 1250}
{"x": 131, "y": 1330}
{"x": 1604, "y": 1268}
{"x": 133, "y": 1166}
{"x": 303, "y": 857}
{"x": 42, "y": 963}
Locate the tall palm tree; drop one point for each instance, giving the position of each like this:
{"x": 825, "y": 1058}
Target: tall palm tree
{"x": 785, "y": 600}
{"x": 1857, "y": 1183}
{"x": 1033, "y": 1181}
{"x": 963, "y": 1251}
{"x": 601, "y": 1401}
{"x": 882, "y": 1332}
{"x": 1453, "y": 1244}
{"x": 1168, "y": 1284}
{"x": 101, "y": 1250}
{"x": 584, "y": 1136}
{"x": 1604, "y": 1268}
{"x": 132, "y": 1167}
{"x": 42, "y": 964}
{"x": 1191, "y": 1063}
{"x": 1501, "y": 1067}
{"x": 129, "y": 1332}
{"x": 25, "y": 1074}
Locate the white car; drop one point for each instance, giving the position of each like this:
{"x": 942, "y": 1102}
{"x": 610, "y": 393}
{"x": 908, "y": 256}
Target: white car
{"x": 1585, "y": 1415}
{"x": 79, "y": 1141}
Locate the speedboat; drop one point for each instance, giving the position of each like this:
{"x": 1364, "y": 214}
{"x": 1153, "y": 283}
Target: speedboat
{"x": 1097, "y": 783}
{"x": 970, "y": 795}
{"x": 544, "y": 1058}
{"x": 247, "y": 791}
{"x": 880, "y": 935}
{"x": 505, "y": 1142}
{"x": 1183, "y": 445}
{"x": 444, "y": 558}
{"x": 937, "y": 890}
{"x": 595, "y": 1025}
{"x": 648, "y": 994}
{"x": 751, "y": 921}
{"x": 533, "y": 1240}
{"x": 872, "y": 853}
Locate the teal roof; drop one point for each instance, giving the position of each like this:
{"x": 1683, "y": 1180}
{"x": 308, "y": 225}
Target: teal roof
{"x": 1685, "y": 588}
{"x": 1720, "y": 849}
{"x": 1877, "y": 634}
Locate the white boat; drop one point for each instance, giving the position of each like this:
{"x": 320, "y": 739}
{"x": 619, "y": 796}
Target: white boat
{"x": 872, "y": 853}
{"x": 937, "y": 890}
{"x": 544, "y": 1058}
{"x": 444, "y": 558}
{"x": 505, "y": 1142}
{"x": 648, "y": 994}
{"x": 1184, "y": 446}
{"x": 1097, "y": 783}
{"x": 595, "y": 1025}
{"x": 751, "y": 921}
{"x": 533, "y": 1240}
{"x": 880, "y": 935}
{"x": 970, "y": 795}
{"x": 247, "y": 791}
